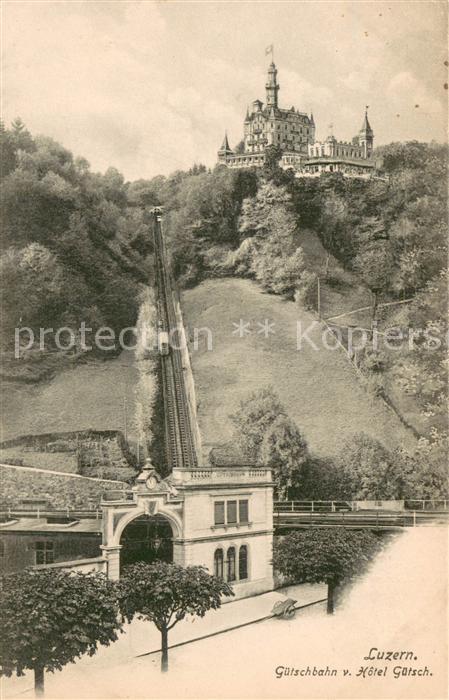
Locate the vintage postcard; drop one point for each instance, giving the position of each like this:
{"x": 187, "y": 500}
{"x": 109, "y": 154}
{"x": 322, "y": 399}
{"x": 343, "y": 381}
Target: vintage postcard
{"x": 224, "y": 331}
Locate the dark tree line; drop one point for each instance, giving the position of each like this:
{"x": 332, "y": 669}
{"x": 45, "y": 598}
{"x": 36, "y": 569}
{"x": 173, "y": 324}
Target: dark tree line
{"x": 73, "y": 243}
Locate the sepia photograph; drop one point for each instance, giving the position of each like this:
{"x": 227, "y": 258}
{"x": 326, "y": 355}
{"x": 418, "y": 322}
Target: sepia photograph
{"x": 224, "y": 349}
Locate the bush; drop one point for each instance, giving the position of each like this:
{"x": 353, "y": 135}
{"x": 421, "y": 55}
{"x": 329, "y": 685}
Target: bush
{"x": 306, "y": 292}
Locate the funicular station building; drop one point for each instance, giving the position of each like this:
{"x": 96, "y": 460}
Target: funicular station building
{"x": 220, "y": 517}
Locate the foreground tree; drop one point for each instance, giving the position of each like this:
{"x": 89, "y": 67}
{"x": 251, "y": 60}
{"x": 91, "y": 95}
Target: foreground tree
{"x": 325, "y": 555}
{"x": 165, "y": 593}
{"x": 50, "y": 618}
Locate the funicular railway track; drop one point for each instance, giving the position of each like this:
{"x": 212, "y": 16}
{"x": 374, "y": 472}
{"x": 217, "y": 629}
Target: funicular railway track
{"x": 179, "y": 443}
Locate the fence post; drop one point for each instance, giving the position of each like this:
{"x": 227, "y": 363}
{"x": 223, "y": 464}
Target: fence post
{"x": 293, "y": 506}
{"x": 333, "y": 507}
{"x": 312, "y": 508}
{"x": 319, "y": 298}
{"x": 414, "y": 518}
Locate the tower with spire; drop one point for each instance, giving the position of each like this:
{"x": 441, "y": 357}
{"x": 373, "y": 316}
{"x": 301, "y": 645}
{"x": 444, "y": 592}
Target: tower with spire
{"x": 272, "y": 87}
{"x": 366, "y": 136}
{"x": 225, "y": 150}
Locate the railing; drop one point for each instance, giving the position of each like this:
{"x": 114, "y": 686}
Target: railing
{"x": 117, "y": 496}
{"x": 423, "y": 504}
{"x": 241, "y": 474}
{"x": 14, "y": 513}
{"x": 357, "y": 520}
{"x": 354, "y": 506}
{"x": 313, "y": 506}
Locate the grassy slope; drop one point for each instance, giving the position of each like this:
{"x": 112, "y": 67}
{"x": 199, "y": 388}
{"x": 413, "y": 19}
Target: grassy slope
{"x": 351, "y": 296}
{"x": 90, "y": 395}
{"x": 347, "y": 296}
{"x": 319, "y": 388}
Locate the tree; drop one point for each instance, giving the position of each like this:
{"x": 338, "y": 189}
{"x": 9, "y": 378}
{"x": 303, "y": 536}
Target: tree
{"x": 259, "y": 211}
{"x": 75, "y": 248}
{"x": 274, "y": 258}
{"x": 322, "y": 479}
{"x": 324, "y": 555}
{"x": 253, "y": 419}
{"x": 374, "y": 263}
{"x": 426, "y": 467}
{"x": 165, "y": 593}
{"x": 50, "y": 618}
{"x": 265, "y": 434}
{"x": 34, "y": 283}
{"x": 332, "y": 224}
{"x": 284, "y": 450}
{"x": 271, "y": 169}
{"x": 370, "y": 470}
{"x": 421, "y": 368}
{"x": 21, "y": 136}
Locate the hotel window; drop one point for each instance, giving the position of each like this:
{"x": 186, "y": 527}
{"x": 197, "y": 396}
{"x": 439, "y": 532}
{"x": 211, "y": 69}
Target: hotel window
{"x": 44, "y": 552}
{"x": 243, "y": 562}
{"x": 231, "y": 564}
{"x": 218, "y": 563}
{"x": 231, "y": 508}
{"x": 219, "y": 513}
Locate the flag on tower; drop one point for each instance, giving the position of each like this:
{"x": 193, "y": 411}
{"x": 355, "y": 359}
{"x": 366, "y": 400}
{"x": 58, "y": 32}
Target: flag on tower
{"x": 269, "y": 49}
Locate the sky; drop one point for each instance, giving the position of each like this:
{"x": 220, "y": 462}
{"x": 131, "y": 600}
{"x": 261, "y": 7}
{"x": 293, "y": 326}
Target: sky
{"x": 151, "y": 87}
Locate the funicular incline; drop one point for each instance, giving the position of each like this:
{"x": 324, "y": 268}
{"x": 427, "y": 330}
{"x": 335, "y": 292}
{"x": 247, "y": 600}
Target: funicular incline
{"x": 179, "y": 442}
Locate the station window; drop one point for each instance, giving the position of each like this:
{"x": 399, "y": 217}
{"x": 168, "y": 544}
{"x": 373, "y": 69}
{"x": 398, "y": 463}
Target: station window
{"x": 243, "y": 562}
{"x": 231, "y": 512}
{"x": 2, "y": 549}
{"x": 243, "y": 511}
{"x": 219, "y": 513}
{"x": 45, "y": 553}
{"x": 218, "y": 563}
{"x": 231, "y": 564}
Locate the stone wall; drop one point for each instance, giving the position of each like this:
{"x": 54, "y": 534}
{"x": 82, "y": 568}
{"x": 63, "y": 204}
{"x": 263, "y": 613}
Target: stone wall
{"x": 59, "y": 490}
{"x": 99, "y": 454}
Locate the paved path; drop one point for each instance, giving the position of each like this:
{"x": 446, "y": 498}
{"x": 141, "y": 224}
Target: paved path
{"x": 142, "y": 638}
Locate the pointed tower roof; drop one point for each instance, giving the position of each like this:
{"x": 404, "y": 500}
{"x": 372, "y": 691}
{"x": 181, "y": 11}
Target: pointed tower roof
{"x": 225, "y": 149}
{"x": 247, "y": 119}
{"x": 366, "y": 127}
{"x": 312, "y": 121}
{"x": 225, "y": 144}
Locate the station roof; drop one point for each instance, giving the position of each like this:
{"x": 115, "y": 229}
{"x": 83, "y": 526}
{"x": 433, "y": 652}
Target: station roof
{"x": 38, "y": 525}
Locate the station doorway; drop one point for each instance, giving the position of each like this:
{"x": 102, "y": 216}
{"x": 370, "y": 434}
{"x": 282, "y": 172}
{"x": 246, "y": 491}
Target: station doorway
{"x": 147, "y": 538}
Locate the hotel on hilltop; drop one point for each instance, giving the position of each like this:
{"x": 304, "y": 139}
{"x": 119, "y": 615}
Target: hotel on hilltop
{"x": 293, "y": 132}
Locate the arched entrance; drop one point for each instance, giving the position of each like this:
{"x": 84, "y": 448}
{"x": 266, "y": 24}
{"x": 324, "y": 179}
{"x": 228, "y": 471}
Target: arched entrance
{"x": 146, "y": 538}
